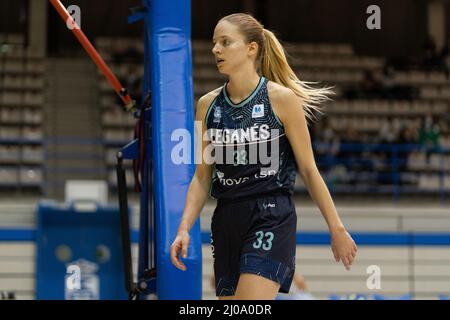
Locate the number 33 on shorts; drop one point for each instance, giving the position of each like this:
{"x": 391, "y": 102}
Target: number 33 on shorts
{"x": 263, "y": 240}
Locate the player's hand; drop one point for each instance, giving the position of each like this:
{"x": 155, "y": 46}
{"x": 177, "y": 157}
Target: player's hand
{"x": 180, "y": 246}
{"x": 343, "y": 247}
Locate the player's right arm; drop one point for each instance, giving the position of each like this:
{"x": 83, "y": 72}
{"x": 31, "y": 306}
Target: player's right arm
{"x": 198, "y": 189}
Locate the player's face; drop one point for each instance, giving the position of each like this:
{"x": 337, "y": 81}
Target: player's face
{"x": 229, "y": 48}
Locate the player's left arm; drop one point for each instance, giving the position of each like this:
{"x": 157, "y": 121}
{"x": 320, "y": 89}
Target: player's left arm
{"x": 288, "y": 107}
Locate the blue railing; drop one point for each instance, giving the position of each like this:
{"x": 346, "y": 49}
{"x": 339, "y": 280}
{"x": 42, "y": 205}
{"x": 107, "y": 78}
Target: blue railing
{"x": 353, "y": 168}
{"x": 383, "y": 168}
{"x": 317, "y": 238}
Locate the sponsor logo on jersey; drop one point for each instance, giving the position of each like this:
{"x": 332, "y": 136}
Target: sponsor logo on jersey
{"x": 258, "y": 111}
{"x": 265, "y": 173}
{"x": 217, "y": 115}
{"x": 237, "y": 181}
{"x": 230, "y": 181}
{"x": 220, "y": 174}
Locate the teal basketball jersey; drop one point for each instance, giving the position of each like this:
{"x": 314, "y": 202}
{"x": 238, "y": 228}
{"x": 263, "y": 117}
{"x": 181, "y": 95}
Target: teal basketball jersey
{"x": 251, "y": 151}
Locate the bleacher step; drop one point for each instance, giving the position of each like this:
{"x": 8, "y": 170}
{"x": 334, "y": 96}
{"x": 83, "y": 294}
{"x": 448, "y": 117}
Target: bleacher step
{"x": 73, "y": 119}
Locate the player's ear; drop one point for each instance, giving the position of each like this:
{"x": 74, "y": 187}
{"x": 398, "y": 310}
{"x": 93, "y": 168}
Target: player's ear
{"x": 252, "y": 49}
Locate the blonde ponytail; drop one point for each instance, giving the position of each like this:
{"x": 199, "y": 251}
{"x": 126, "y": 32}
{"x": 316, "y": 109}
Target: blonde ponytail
{"x": 275, "y": 67}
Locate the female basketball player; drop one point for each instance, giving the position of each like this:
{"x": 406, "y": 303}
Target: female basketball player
{"x": 253, "y": 229}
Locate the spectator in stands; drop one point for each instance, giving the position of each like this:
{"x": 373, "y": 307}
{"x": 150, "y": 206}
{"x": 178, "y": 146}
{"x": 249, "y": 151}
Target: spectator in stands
{"x": 118, "y": 53}
{"x": 445, "y": 58}
{"x": 432, "y": 61}
{"x": 126, "y": 54}
{"x": 327, "y": 142}
{"x": 327, "y": 149}
{"x": 444, "y": 126}
{"x": 445, "y": 139}
{"x": 409, "y": 134}
{"x": 388, "y": 136}
{"x": 408, "y": 138}
{"x": 389, "y": 131}
{"x": 133, "y": 83}
{"x": 429, "y": 135}
{"x": 429, "y": 54}
{"x": 391, "y": 90}
{"x": 370, "y": 87}
{"x": 349, "y": 151}
{"x": 388, "y": 82}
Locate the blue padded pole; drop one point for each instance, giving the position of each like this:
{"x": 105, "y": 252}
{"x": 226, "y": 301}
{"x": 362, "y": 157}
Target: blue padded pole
{"x": 169, "y": 26}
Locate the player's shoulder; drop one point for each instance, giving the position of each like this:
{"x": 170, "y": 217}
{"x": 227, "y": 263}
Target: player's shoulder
{"x": 206, "y": 100}
{"x": 284, "y": 101}
{"x": 278, "y": 92}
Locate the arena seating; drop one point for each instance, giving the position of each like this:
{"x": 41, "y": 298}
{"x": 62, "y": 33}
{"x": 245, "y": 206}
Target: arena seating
{"x": 22, "y": 98}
